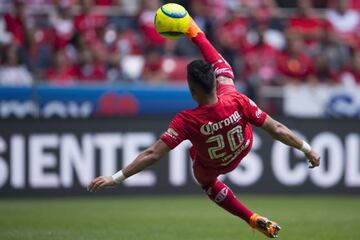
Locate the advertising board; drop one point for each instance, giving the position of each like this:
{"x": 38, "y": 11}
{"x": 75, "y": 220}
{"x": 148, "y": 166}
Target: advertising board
{"x": 60, "y": 157}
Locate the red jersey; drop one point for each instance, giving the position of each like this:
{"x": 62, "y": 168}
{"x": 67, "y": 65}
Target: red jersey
{"x": 221, "y": 133}
{"x": 300, "y": 66}
{"x": 16, "y": 27}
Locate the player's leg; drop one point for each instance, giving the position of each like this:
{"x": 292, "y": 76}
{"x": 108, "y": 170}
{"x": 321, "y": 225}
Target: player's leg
{"x": 219, "y": 193}
{"x": 224, "y": 197}
{"x": 210, "y": 54}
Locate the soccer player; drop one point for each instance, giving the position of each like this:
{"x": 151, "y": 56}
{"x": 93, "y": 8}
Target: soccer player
{"x": 219, "y": 130}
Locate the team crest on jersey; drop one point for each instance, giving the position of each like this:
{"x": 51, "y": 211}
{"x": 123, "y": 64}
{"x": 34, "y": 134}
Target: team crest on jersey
{"x": 210, "y": 127}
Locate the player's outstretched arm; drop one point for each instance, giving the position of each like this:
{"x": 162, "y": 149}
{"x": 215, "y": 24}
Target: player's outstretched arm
{"x": 223, "y": 71}
{"x": 145, "y": 159}
{"x": 280, "y": 132}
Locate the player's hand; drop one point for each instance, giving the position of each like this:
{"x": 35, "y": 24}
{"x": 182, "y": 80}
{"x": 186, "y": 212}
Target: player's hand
{"x": 101, "y": 182}
{"x": 313, "y": 158}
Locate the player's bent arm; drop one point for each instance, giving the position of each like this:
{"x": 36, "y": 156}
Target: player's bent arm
{"x": 145, "y": 159}
{"x": 283, "y": 134}
{"x": 222, "y": 69}
{"x": 225, "y": 80}
{"x": 280, "y": 132}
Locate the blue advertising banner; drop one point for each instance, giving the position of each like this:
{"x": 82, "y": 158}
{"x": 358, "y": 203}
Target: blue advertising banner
{"x": 92, "y": 100}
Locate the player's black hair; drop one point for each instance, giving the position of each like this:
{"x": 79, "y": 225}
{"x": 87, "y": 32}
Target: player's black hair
{"x": 200, "y": 73}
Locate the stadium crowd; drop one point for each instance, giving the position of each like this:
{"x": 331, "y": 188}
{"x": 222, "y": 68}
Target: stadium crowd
{"x": 267, "y": 42}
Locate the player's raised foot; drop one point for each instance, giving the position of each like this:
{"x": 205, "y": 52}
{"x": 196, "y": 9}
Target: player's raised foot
{"x": 264, "y": 225}
{"x": 193, "y": 29}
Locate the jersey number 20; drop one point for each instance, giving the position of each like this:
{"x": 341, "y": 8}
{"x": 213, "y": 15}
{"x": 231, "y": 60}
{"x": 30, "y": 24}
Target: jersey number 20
{"x": 234, "y": 138}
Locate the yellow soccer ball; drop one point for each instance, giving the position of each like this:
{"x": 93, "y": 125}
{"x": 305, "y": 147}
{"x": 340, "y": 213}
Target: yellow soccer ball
{"x": 172, "y": 20}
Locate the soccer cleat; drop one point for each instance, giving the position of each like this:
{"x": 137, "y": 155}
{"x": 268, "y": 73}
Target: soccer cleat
{"x": 264, "y": 225}
{"x": 193, "y": 29}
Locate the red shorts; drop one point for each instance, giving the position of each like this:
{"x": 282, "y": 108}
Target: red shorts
{"x": 205, "y": 175}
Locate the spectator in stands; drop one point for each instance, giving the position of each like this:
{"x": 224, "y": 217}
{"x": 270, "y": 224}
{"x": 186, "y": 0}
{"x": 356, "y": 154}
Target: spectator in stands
{"x": 127, "y": 42}
{"x": 217, "y": 9}
{"x": 201, "y": 11}
{"x": 344, "y": 21}
{"x": 331, "y": 51}
{"x": 5, "y": 39}
{"x": 306, "y": 22}
{"x": 293, "y": 64}
{"x": 260, "y": 67}
{"x": 351, "y": 75}
{"x": 90, "y": 68}
{"x": 146, "y": 23}
{"x": 16, "y": 22}
{"x": 263, "y": 9}
{"x": 63, "y": 26}
{"x": 249, "y": 39}
{"x": 153, "y": 71}
{"x": 231, "y": 37}
{"x": 12, "y": 71}
{"x": 5, "y": 36}
{"x": 126, "y": 45}
{"x": 88, "y": 21}
{"x": 322, "y": 70}
{"x": 100, "y": 46}
{"x": 265, "y": 16}
{"x": 79, "y": 42}
{"x": 62, "y": 72}
{"x": 37, "y": 53}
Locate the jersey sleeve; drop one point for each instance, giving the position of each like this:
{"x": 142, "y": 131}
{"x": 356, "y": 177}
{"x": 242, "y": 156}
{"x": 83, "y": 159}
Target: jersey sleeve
{"x": 176, "y": 133}
{"x": 222, "y": 68}
{"x": 254, "y": 114}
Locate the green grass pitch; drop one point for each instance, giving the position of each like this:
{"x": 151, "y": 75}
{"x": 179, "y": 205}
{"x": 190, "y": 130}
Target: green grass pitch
{"x": 175, "y": 218}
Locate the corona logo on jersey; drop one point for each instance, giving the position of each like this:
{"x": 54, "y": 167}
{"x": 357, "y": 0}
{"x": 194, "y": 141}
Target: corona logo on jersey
{"x": 210, "y": 128}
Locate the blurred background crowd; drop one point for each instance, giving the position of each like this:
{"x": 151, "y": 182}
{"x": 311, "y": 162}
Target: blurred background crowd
{"x": 267, "y": 42}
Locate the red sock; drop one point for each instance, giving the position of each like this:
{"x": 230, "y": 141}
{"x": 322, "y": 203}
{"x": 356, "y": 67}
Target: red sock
{"x": 220, "y": 66}
{"x": 225, "y": 198}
